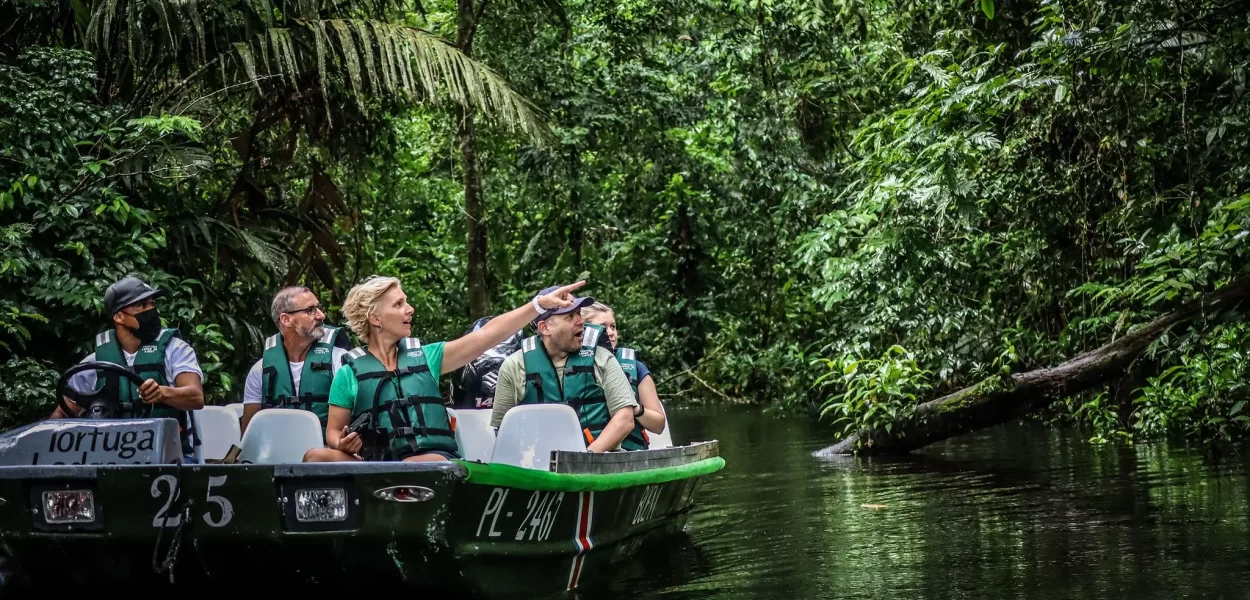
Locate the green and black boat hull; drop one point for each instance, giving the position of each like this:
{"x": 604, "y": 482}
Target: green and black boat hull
{"x": 461, "y": 529}
{"x": 519, "y": 528}
{"x": 205, "y": 523}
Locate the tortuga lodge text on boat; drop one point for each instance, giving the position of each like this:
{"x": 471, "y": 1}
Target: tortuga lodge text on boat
{"x": 93, "y": 502}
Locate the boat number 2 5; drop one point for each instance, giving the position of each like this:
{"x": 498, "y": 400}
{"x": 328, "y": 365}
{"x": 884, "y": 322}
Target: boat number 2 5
{"x": 165, "y": 518}
{"x": 540, "y": 515}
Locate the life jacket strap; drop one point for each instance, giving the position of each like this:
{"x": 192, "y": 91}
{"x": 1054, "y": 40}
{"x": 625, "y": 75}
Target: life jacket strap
{"x": 417, "y": 401}
{"x": 411, "y": 432}
{"x": 413, "y": 400}
{"x": 400, "y": 372}
{"x": 374, "y": 375}
{"x": 144, "y": 368}
{"x": 409, "y": 370}
{"x": 644, "y": 440}
{"x": 397, "y": 418}
{"x": 130, "y": 409}
{"x": 578, "y": 403}
{"x": 306, "y": 400}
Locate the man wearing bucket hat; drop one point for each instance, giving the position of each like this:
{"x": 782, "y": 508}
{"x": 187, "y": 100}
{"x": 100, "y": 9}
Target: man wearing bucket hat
{"x": 565, "y": 364}
{"x": 172, "y": 376}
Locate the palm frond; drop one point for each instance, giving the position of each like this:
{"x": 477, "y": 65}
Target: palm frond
{"x": 268, "y": 253}
{"x": 167, "y": 46}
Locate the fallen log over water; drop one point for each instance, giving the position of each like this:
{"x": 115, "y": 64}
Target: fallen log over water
{"x": 1003, "y": 398}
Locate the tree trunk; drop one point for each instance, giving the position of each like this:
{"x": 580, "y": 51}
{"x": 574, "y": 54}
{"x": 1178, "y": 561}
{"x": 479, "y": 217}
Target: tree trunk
{"x": 1001, "y": 399}
{"x": 689, "y": 257}
{"x": 474, "y": 213}
{"x": 575, "y": 205}
{"x": 474, "y": 208}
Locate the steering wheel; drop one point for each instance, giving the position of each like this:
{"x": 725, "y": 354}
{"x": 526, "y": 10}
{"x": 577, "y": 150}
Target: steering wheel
{"x": 97, "y": 405}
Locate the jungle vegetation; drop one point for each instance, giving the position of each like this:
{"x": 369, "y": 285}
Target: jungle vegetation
{"x": 840, "y": 207}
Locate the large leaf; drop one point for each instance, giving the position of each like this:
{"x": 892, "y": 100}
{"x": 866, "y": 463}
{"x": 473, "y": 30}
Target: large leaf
{"x": 173, "y": 51}
{"x": 987, "y": 7}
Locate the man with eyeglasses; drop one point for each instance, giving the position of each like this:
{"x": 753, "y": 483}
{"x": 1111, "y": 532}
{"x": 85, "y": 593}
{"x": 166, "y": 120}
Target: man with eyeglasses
{"x": 172, "y": 378}
{"x": 299, "y": 361}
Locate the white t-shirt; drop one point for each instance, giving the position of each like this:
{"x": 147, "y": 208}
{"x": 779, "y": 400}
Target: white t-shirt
{"x": 179, "y": 358}
{"x": 251, "y": 387}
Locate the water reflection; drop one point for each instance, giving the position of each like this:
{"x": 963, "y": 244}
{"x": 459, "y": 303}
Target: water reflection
{"x": 1018, "y": 511}
{"x": 1014, "y": 512}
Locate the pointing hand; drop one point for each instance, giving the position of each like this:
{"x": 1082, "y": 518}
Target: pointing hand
{"x": 561, "y": 298}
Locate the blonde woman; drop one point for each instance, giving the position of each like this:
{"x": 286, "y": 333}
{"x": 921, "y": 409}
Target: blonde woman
{"x": 651, "y": 416}
{"x": 388, "y": 389}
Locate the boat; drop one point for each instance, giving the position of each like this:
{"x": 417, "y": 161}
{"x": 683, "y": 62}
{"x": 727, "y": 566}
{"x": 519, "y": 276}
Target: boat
{"x": 96, "y": 503}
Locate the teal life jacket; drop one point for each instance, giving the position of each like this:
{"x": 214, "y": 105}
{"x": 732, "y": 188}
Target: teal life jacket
{"x": 149, "y": 364}
{"x": 407, "y": 413}
{"x": 277, "y": 387}
{"x": 579, "y": 389}
{"x": 629, "y": 364}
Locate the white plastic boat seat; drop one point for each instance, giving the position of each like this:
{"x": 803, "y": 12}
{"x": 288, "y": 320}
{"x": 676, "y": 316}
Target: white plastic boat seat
{"x": 281, "y": 436}
{"x": 529, "y": 433}
{"x": 474, "y": 434}
{"x": 237, "y": 409}
{"x": 218, "y": 429}
{"x": 663, "y": 439}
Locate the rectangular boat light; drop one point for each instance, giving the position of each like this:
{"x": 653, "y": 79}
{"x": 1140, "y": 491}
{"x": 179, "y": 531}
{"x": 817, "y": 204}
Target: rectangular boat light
{"x": 321, "y": 505}
{"x": 68, "y": 506}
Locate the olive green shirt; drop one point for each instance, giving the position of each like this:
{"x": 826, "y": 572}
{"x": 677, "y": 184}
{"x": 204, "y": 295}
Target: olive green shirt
{"x": 608, "y": 374}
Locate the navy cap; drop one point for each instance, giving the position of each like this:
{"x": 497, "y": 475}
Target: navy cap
{"x": 578, "y": 303}
{"x": 127, "y": 291}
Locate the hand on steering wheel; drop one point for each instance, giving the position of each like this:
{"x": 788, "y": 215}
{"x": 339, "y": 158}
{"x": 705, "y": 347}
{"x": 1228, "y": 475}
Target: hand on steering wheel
{"x": 95, "y": 404}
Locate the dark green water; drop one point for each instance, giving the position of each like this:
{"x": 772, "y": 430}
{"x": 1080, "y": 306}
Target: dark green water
{"x": 1013, "y": 512}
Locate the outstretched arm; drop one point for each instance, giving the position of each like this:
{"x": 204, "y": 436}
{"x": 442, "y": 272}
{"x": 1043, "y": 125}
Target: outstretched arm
{"x": 458, "y": 353}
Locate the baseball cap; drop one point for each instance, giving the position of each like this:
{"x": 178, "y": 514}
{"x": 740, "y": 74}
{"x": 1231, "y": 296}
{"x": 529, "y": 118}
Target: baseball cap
{"x": 578, "y": 303}
{"x": 127, "y": 291}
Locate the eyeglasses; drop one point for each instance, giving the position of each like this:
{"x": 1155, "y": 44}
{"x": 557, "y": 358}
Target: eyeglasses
{"x": 311, "y": 310}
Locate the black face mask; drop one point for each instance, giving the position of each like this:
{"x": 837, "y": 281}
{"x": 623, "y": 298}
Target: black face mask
{"x": 149, "y": 326}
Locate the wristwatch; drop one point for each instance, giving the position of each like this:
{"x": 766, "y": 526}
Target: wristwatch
{"x": 537, "y": 308}
{"x": 639, "y": 411}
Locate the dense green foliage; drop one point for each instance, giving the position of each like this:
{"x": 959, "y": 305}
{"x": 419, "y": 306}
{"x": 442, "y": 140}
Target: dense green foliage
{"x": 912, "y": 195}
{"x": 1046, "y": 183}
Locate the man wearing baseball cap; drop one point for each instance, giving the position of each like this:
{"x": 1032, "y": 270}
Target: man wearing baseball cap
{"x": 158, "y": 355}
{"x": 565, "y": 364}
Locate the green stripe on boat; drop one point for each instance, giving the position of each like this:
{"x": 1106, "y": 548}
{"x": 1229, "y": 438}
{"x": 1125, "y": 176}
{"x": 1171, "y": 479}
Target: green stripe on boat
{"x": 531, "y": 479}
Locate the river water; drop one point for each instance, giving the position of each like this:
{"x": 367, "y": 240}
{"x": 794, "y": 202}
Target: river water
{"x": 1017, "y": 511}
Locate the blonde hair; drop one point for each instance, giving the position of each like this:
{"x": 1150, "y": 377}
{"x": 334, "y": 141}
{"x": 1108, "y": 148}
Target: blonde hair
{"x": 362, "y": 299}
{"x": 596, "y": 308}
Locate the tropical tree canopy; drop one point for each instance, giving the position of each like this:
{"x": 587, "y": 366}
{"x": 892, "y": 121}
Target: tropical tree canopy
{"x": 838, "y": 207}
